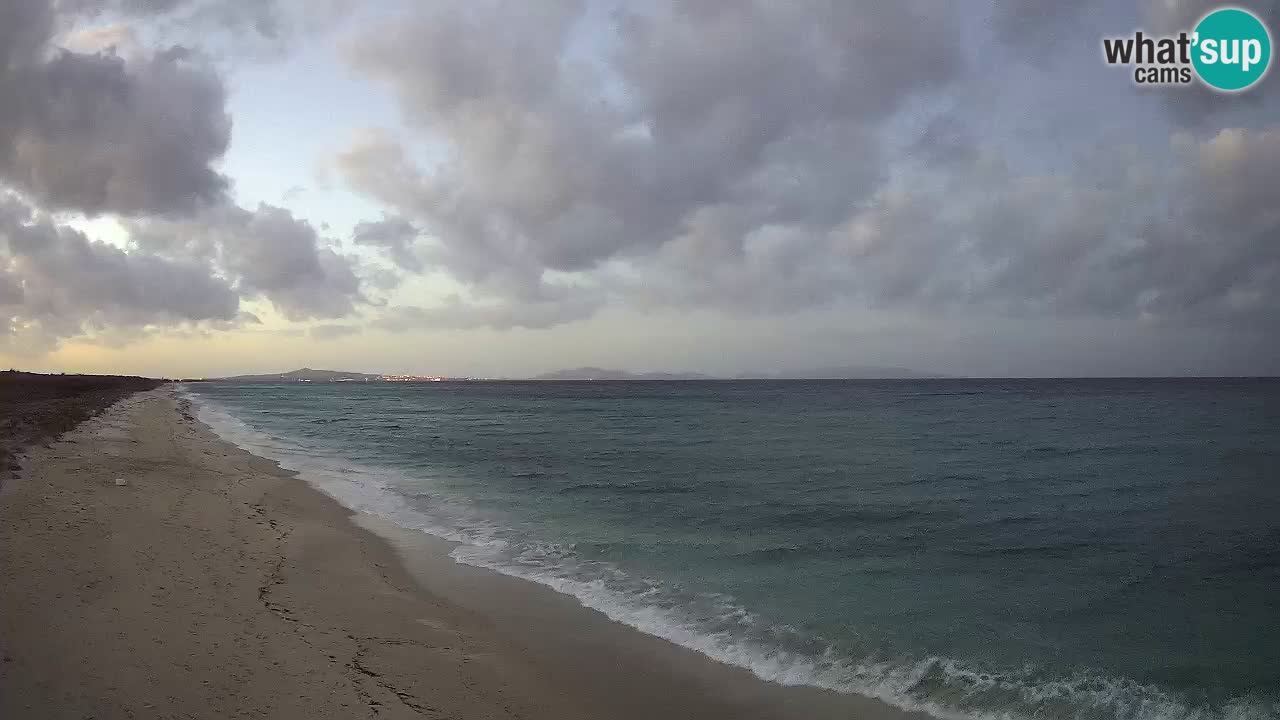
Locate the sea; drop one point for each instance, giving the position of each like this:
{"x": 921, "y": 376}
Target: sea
{"x": 974, "y": 549}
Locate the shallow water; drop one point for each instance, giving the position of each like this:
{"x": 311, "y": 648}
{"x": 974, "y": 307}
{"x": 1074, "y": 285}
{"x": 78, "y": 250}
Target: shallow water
{"x": 1085, "y": 548}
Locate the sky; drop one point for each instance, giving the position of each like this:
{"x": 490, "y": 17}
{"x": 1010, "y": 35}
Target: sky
{"x": 203, "y": 187}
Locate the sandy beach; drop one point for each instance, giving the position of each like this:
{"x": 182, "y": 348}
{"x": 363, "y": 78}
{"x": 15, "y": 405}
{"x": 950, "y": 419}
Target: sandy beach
{"x": 213, "y": 584}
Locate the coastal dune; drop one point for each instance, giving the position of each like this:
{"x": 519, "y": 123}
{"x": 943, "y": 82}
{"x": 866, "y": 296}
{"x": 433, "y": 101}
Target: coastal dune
{"x": 151, "y": 570}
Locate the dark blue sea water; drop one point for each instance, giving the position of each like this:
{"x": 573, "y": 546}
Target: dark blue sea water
{"x": 974, "y": 548}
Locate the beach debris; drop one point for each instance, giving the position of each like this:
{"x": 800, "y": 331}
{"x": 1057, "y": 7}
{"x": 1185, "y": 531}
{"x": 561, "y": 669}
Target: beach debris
{"x": 121, "y": 482}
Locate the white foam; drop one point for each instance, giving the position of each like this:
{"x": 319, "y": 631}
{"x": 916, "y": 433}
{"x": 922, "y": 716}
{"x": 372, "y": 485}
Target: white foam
{"x": 718, "y": 627}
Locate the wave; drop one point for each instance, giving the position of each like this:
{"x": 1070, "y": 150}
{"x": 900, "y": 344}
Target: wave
{"x": 716, "y": 625}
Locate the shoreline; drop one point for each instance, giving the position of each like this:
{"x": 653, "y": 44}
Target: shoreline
{"x": 216, "y": 584}
{"x": 569, "y": 641}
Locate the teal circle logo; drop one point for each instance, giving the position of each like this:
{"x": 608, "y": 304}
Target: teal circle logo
{"x": 1231, "y": 49}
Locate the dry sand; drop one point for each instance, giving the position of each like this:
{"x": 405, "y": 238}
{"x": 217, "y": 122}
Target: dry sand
{"x": 215, "y": 585}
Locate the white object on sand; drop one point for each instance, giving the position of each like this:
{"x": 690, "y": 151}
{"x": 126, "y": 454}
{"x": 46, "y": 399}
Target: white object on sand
{"x": 121, "y": 482}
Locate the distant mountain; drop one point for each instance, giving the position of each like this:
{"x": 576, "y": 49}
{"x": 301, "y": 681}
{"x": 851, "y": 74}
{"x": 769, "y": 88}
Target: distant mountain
{"x": 306, "y": 375}
{"x": 595, "y": 373}
{"x": 852, "y": 372}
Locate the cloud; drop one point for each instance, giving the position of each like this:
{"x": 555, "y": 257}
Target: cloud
{"x": 764, "y": 159}
{"x": 1171, "y": 16}
{"x": 268, "y": 252}
{"x": 1198, "y": 105}
{"x": 456, "y": 313}
{"x": 55, "y": 283}
{"x": 256, "y": 27}
{"x": 975, "y": 166}
{"x": 102, "y": 132}
{"x": 117, "y": 38}
{"x": 25, "y": 28}
{"x": 1187, "y": 242}
{"x": 92, "y": 123}
{"x": 11, "y": 292}
{"x": 394, "y": 235}
{"x": 1061, "y": 41}
{"x": 1033, "y": 25}
{"x": 335, "y": 331}
{"x": 764, "y": 113}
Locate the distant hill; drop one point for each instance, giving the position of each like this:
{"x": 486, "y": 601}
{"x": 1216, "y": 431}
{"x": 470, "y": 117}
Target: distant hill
{"x": 852, "y": 372}
{"x": 306, "y": 375}
{"x": 595, "y": 373}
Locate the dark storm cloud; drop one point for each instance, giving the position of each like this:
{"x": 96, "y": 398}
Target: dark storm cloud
{"x": 269, "y": 253}
{"x": 394, "y": 235}
{"x": 56, "y": 283}
{"x": 102, "y": 133}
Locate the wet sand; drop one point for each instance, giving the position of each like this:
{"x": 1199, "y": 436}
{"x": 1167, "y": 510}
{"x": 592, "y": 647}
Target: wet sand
{"x": 213, "y": 584}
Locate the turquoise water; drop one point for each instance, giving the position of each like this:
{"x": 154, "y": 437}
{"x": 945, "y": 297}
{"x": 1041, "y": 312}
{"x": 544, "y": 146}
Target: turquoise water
{"x": 977, "y": 549}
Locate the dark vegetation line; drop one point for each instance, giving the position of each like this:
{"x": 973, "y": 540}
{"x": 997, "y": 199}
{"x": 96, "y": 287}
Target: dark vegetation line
{"x": 37, "y": 408}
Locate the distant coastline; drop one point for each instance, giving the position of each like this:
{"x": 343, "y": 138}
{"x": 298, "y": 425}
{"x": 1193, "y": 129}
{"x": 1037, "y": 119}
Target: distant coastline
{"x": 852, "y": 372}
{"x": 594, "y": 374}
{"x": 582, "y": 374}
{"x": 325, "y": 376}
